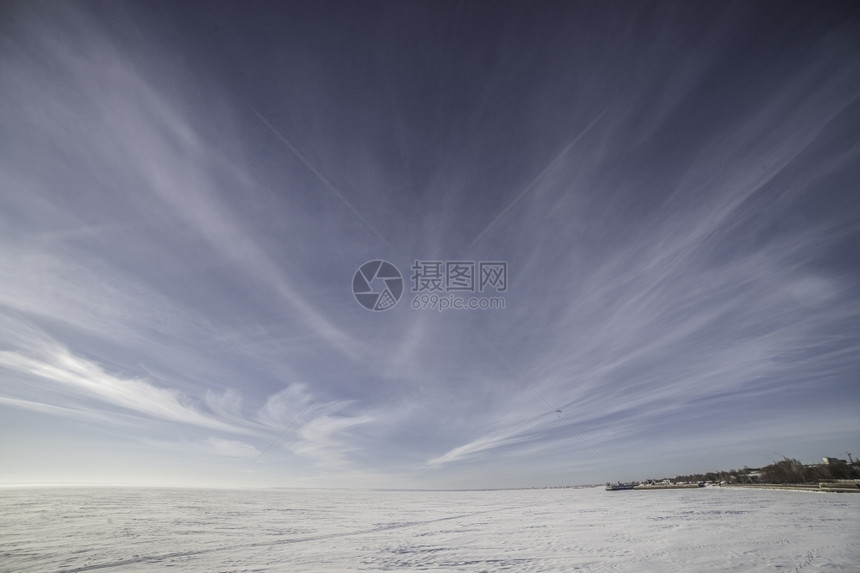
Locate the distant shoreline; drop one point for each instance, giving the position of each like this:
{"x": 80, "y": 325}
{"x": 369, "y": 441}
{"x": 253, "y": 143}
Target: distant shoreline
{"x": 820, "y": 488}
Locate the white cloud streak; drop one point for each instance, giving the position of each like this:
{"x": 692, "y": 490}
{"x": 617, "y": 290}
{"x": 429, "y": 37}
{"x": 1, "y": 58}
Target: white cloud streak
{"x": 81, "y": 377}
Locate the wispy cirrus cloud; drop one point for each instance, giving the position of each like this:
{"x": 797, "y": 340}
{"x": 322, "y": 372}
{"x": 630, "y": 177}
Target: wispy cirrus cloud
{"x": 693, "y": 308}
{"x": 685, "y": 267}
{"x": 143, "y": 156}
{"x": 311, "y": 428}
{"x": 81, "y": 379}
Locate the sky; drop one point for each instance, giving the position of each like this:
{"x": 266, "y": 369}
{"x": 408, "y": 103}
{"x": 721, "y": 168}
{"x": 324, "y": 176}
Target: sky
{"x": 653, "y": 206}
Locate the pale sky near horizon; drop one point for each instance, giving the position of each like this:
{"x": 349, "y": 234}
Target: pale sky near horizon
{"x": 187, "y": 191}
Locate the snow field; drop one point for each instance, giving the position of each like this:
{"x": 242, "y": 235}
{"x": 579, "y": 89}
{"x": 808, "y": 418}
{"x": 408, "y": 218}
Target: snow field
{"x": 707, "y": 529}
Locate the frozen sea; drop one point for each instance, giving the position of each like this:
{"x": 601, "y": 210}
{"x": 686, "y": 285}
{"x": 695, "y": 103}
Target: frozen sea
{"x": 706, "y": 529}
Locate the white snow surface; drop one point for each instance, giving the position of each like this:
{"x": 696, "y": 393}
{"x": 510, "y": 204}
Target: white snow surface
{"x": 706, "y": 529}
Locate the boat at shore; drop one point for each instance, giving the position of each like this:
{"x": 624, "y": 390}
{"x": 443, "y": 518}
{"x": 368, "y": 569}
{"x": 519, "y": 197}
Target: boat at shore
{"x": 619, "y": 486}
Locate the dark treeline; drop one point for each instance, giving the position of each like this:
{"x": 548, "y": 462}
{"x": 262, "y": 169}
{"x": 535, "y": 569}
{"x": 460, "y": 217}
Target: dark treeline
{"x": 785, "y": 471}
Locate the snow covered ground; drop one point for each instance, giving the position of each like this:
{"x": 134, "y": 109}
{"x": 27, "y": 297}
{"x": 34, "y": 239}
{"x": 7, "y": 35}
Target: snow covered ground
{"x": 707, "y": 529}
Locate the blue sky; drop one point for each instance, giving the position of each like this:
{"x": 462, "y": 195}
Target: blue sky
{"x": 187, "y": 191}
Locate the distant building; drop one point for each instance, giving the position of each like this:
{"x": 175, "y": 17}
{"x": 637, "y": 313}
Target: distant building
{"x": 828, "y": 461}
